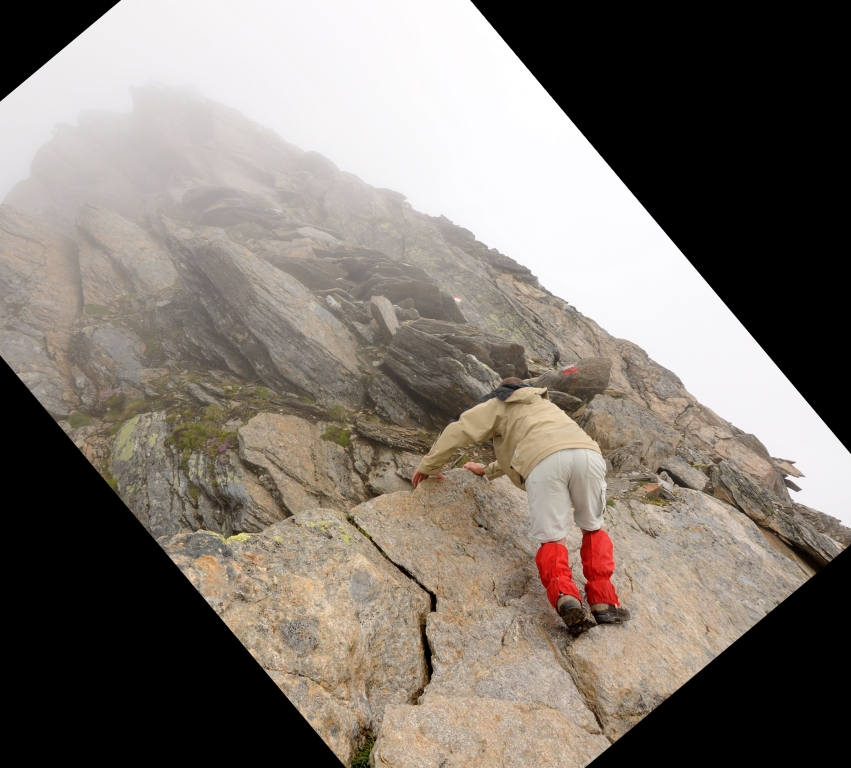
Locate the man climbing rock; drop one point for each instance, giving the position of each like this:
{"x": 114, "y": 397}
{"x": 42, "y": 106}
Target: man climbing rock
{"x": 544, "y": 452}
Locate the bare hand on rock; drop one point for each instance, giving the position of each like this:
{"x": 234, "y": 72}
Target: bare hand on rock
{"x": 473, "y": 467}
{"x": 419, "y": 477}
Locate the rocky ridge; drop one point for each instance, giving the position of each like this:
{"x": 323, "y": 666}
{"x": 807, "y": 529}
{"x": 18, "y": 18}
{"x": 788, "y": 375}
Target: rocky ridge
{"x": 256, "y": 348}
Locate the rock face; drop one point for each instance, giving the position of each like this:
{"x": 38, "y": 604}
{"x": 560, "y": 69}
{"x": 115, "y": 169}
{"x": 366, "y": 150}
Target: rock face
{"x": 335, "y": 625}
{"x": 825, "y": 524}
{"x": 736, "y": 488}
{"x": 437, "y": 371}
{"x": 300, "y": 469}
{"x": 39, "y": 300}
{"x": 493, "y": 635}
{"x": 118, "y": 257}
{"x": 629, "y": 435}
{"x": 171, "y": 493}
{"x": 481, "y": 732}
{"x": 256, "y": 348}
{"x": 286, "y": 336}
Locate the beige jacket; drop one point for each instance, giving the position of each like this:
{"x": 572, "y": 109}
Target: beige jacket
{"x": 525, "y": 429}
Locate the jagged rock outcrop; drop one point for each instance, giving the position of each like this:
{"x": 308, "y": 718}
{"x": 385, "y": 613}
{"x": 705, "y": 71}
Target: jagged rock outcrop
{"x": 287, "y": 337}
{"x": 256, "y": 348}
{"x": 825, "y": 524}
{"x": 736, "y": 488}
{"x": 449, "y": 380}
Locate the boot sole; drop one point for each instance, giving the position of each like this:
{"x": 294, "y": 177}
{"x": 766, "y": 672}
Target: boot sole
{"x": 608, "y": 619}
{"x": 576, "y": 620}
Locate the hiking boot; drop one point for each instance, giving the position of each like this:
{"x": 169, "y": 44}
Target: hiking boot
{"x": 609, "y": 614}
{"x": 573, "y": 614}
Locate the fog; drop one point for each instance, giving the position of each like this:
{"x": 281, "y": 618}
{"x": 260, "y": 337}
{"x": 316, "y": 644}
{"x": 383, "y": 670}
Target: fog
{"x": 425, "y": 98}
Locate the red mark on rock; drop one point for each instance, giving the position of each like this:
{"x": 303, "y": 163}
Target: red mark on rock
{"x": 569, "y": 371}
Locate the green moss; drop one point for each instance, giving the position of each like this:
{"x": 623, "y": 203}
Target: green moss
{"x": 213, "y": 412}
{"x": 657, "y": 502}
{"x": 278, "y": 539}
{"x": 462, "y": 461}
{"x": 241, "y": 537}
{"x": 610, "y": 502}
{"x": 337, "y": 413}
{"x": 115, "y": 401}
{"x": 337, "y": 435}
{"x": 361, "y": 759}
{"x": 154, "y": 349}
{"x": 96, "y": 309}
{"x": 133, "y": 408}
{"x": 194, "y": 492}
{"x": 77, "y": 420}
{"x": 262, "y": 393}
{"x": 204, "y": 436}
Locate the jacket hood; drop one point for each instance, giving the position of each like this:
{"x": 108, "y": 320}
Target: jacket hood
{"x": 528, "y": 395}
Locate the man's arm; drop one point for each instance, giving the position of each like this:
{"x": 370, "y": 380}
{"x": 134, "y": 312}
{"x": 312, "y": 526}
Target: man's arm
{"x": 474, "y": 426}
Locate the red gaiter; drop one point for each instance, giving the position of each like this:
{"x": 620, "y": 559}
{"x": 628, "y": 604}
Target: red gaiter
{"x": 554, "y": 570}
{"x": 598, "y": 565}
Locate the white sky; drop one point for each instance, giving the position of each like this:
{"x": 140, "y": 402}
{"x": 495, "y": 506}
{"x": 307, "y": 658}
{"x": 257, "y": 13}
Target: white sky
{"x": 425, "y": 98}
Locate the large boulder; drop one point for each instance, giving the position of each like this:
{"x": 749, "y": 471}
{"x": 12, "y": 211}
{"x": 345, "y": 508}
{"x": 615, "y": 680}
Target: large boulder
{"x": 118, "y": 257}
{"x": 584, "y": 379}
{"x": 683, "y": 474}
{"x": 393, "y": 404}
{"x": 695, "y": 574}
{"x": 289, "y": 338}
{"x": 437, "y": 371}
{"x": 302, "y": 464}
{"x": 384, "y": 316}
{"x": 629, "y": 435}
{"x": 39, "y": 300}
{"x": 335, "y": 625}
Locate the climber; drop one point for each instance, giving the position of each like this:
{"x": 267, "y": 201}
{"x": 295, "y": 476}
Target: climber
{"x": 544, "y": 452}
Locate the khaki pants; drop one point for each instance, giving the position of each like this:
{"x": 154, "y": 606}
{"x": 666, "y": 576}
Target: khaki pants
{"x": 575, "y": 477}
